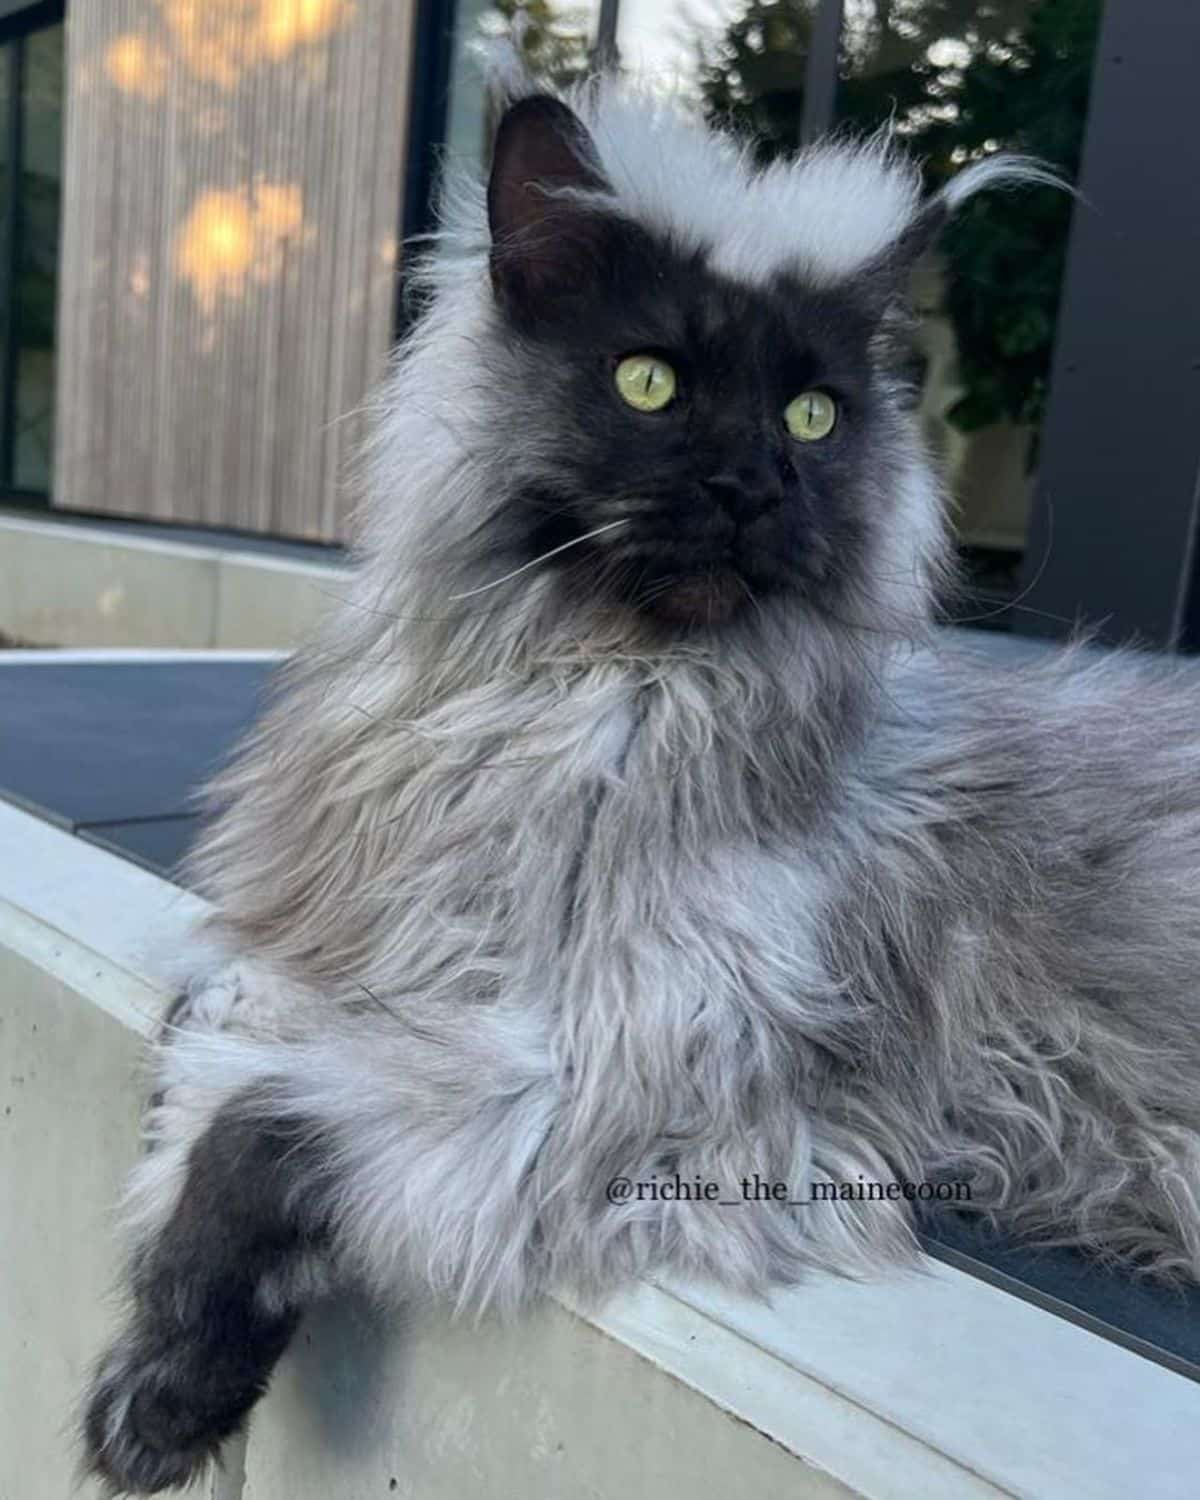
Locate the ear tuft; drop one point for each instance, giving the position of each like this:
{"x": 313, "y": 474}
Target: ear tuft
{"x": 1006, "y": 169}
{"x": 543, "y": 155}
{"x": 890, "y": 272}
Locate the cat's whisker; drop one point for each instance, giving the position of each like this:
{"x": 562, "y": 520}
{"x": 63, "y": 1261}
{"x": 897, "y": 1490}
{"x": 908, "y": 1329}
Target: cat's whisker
{"x": 751, "y": 596}
{"x": 534, "y": 562}
{"x": 404, "y": 618}
{"x": 1037, "y": 577}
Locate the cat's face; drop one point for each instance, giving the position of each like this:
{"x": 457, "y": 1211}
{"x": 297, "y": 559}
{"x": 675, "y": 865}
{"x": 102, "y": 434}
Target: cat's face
{"x": 724, "y": 440}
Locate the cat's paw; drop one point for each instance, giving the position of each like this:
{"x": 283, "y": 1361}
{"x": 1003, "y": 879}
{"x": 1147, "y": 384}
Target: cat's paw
{"x": 145, "y": 1430}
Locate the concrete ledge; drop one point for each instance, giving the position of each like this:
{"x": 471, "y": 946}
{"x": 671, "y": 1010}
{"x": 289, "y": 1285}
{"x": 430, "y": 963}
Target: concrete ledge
{"x": 74, "y": 1005}
{"x": 76, "y": 585}
{"x": 934, "y": 1385}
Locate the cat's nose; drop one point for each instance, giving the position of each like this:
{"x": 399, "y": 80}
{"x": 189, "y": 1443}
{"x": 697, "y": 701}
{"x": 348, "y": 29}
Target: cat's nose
{"x": 747, "y": 488}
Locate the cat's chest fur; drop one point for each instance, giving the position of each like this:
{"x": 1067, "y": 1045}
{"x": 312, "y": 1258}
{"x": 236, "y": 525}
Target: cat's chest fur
{"x": 618, "y": 900}
{"x": 575, "y": 944}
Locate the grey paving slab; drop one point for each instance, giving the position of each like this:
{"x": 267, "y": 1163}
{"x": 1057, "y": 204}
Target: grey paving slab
{"x": 1153, "y": 1319}
{"x": 158, "y": 844}
{"x": 105, "y": 743}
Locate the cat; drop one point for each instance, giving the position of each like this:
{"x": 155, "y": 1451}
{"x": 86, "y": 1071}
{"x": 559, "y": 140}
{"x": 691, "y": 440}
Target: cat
{"x": 628, "y": 819}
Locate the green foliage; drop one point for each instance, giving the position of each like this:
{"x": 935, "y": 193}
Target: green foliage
{"x": 753, "y": 80}
{"x": 958, "y": 79}
{"x": 1008, "y": 257}
{"x": 555, "y": 40}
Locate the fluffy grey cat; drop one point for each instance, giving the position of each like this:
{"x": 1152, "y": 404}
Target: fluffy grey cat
{"x": 626, "y": 821}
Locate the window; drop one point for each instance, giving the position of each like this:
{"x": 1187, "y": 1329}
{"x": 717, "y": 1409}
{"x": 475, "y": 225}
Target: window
{"x": 957, "y": 80}
{"x": 559, "y": 44}
{"x": 1043, "y": 314}
{"x": 960, "y": 80}
{"x": 31, "y": 118}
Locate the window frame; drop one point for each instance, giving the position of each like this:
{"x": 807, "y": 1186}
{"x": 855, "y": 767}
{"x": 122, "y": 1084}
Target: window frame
{"x": 15, "y": 31}
{"x": 1125, "y": 579}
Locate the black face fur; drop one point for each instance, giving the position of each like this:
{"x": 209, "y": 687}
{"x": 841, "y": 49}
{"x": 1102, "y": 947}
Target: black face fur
{"x": 723, "y": 506}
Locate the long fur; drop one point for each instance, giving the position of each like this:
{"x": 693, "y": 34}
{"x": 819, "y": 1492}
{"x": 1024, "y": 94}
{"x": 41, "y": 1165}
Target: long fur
{"x": 514, "y": 897}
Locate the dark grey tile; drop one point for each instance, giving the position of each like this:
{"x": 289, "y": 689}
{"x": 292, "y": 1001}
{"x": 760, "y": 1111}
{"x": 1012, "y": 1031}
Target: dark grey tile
{"x": 107, "y": 742}
{"x": 158, "y": 844}
{"x": 1158, "y": 1321}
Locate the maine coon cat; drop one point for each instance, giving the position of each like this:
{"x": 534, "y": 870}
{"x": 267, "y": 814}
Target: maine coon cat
{"x": 627, "y": 820}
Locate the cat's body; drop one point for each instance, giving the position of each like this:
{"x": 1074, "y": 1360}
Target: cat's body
{"x": 532, "y": 881}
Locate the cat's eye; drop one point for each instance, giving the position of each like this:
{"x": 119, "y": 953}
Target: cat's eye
{"x": 811, "y": 416}
{"x": 645, "y": 382}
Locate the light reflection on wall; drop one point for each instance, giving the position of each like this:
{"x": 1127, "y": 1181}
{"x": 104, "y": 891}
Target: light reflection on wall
{"x": 217, "y": 41}
{"x": 233, "y": 179}
{"x": 286, "y": 24}
{"x": 233, "y": 239}
{"x": 199, "y": 51}
{"x": 139, "y": 276}
{"x": 136, "y": 66}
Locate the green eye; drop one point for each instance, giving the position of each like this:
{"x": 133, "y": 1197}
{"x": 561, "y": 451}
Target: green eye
{"x": 645, "y": 382}
{"x": 811, "y": 416}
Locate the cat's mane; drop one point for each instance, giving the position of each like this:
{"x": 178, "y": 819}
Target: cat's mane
{"x": 432, "y": 656}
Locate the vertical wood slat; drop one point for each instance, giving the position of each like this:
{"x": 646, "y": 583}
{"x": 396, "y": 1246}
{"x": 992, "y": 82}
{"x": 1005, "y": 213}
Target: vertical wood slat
{"x": 223, "y": 400}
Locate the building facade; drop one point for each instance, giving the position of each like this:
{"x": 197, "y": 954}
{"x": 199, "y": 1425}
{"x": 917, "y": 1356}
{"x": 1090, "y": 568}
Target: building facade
{"x": 230, "y": 220}
{"x": 203, "y": 204}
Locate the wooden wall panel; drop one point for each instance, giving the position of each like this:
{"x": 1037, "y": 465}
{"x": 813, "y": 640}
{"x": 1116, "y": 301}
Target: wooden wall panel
{"x": 233, "y": 174}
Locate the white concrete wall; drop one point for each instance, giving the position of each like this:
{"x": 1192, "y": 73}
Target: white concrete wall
{"x": 75, "y": 585}
{"x": 73, "y": 1008}
{"x": 551, "y": 1410}
{"x": 931, "y": 1385}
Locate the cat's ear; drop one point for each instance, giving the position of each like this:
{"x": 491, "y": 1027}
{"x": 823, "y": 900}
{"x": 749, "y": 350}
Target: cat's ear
{"x": 544, "y": 239}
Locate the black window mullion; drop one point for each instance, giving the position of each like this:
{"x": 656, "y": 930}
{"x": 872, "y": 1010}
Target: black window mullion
{"x": 605, "y": 51}
{"x": 429, "y": 100}
{"x": 1111, "y": 536}
{"x": 13, "y": 126}
{"x": 821, "y": 72}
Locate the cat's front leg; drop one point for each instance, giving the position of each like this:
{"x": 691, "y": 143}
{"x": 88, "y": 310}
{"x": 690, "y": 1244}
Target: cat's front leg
{"x": 215, "y": 1294}
{"x": 293, "y": 1143}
